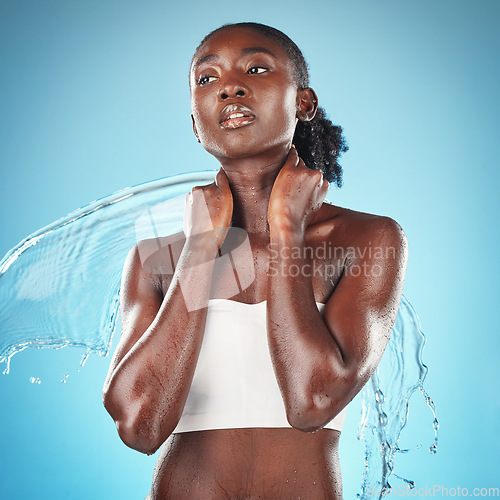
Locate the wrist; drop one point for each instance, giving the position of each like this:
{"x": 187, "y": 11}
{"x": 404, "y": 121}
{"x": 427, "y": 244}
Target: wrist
{"x": 202, "y": 246}
{"x": 283, "y": 233}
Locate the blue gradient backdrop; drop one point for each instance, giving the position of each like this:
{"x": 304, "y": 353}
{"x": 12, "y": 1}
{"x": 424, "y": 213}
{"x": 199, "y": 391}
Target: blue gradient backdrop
{"x": 94, "y": 97}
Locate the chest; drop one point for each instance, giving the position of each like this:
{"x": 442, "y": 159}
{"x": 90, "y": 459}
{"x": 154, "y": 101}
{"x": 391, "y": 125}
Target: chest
{"x": 247, "y": 261}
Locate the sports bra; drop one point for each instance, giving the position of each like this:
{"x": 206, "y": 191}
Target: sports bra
{"x": 234, "y": 384}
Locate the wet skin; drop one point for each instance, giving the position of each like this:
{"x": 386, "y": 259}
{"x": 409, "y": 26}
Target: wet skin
{"x": 245, "y": 106}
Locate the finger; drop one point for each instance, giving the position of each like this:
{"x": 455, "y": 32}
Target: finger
{"x": 203, "y": 187}
{"x": 221, "y": 180}
{"x": 321, "y": 195}
{"x": 202, "y": 212}
{"x": 292, "y": 159}
{"x": 222, "y": 183}
{"x": 301, "y": 164}
{"x": 324, "y": 189}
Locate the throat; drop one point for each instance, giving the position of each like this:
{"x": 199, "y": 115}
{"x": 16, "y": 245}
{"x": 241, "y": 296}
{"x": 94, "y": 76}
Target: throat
{"x": 250, "y": 212}
{"x": 251, "y": 180}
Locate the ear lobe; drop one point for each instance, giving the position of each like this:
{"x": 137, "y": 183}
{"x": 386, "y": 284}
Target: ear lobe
{"x": 307, "y": 104}
{"x": 194, "y": 129}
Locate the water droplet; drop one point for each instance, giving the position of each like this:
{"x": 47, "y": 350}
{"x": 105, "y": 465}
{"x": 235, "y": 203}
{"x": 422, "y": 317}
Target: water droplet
{"x": 84, "y": 359}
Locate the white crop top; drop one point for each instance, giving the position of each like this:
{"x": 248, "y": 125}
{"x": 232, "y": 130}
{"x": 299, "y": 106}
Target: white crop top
{"x": 234, "y": 385}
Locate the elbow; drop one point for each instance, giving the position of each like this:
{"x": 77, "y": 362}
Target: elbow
{"x": 312, "y": 417}
{"x": 137, "y": 424}
{"x": 303, "y": 422}
{"x": 311, "y": 407}
{"x": 313, "y": 410}
{"x": 138, "y": 435}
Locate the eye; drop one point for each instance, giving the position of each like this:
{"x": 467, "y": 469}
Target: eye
{"x": 206, "y": 79}
{"x": 255, "y": 70}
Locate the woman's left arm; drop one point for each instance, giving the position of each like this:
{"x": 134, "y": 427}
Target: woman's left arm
{"x": 322, "y": 361}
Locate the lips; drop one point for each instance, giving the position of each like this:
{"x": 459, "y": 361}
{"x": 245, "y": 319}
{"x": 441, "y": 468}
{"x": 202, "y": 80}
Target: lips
{"x": 235, "y": 115}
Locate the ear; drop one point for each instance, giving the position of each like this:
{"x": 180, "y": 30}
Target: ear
{"x": 307, "y": 104}
{"x": 194, "y": 129}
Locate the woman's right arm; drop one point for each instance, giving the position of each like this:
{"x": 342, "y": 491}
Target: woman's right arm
{"x": 153, "y": 366}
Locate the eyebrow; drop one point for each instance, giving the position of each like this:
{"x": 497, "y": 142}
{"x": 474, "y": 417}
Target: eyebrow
{"x": 244, "y": 52}
{"x": 256, "y": 50}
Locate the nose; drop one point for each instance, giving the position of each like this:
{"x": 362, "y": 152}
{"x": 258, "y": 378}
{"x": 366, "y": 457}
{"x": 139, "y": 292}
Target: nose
{"x": 231, "y": 87}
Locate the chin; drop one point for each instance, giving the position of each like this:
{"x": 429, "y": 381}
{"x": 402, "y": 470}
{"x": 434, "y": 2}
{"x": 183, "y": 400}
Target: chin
{"x": 242, "y": 147}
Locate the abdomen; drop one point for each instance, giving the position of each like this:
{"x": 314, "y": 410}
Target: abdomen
{"x": 247, "y": 464}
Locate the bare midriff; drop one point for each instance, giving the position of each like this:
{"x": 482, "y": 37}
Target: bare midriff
{"x": 249, "y": 464}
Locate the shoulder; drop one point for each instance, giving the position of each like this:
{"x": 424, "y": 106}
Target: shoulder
{"x": 151, "y": 262}
{"x": 350, "y": 228}
{"x": 152, "y": 245}
{"x": 150, "y": 265}
{"x": 158, "y": 255}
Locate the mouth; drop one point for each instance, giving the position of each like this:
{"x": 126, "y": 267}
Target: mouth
{"x": 235, "y": 116}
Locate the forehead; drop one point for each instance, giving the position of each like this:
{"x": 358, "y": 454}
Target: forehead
{"x": 236, "y": 39}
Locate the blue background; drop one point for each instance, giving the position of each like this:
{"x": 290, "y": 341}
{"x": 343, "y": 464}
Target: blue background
{"x": 94, "y": 97}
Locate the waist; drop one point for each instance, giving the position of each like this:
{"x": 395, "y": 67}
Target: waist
{"x": 248, "y": 463}
{"x": 237, "y": 418}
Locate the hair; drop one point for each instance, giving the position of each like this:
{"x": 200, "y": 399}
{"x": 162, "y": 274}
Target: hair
{"x": 319, "y": 142}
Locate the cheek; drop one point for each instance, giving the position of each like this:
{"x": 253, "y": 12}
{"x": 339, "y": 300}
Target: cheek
{"x": 285, "y": 111}
{"x": 204, "y": 127}
{"x": 201, "y": 119}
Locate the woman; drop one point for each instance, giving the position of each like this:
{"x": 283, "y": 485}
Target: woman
{"x": 325, "y": 282}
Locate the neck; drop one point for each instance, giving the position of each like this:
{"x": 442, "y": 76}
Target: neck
{"x": 251, "y": 181}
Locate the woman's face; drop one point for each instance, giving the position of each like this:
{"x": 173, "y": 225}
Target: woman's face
{"x": 244, "y": 98}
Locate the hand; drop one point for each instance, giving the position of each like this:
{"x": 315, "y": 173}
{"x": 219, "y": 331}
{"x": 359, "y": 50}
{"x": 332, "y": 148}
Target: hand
{"x": 297, "y": 195}
{"x": 209, "y": 208}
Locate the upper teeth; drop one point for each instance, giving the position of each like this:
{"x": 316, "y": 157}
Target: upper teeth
{"x": 235, "y": 115}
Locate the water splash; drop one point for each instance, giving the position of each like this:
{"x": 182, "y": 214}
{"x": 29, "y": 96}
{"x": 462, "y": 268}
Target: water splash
{"x": 385, "y": 403}
{"x": 60, "y": 287}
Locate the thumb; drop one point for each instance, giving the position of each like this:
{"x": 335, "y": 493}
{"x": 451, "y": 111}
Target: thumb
{"x": 324, "y": 189}
{"x": 221, "y": 180}
{"x": 292, "y": 160}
